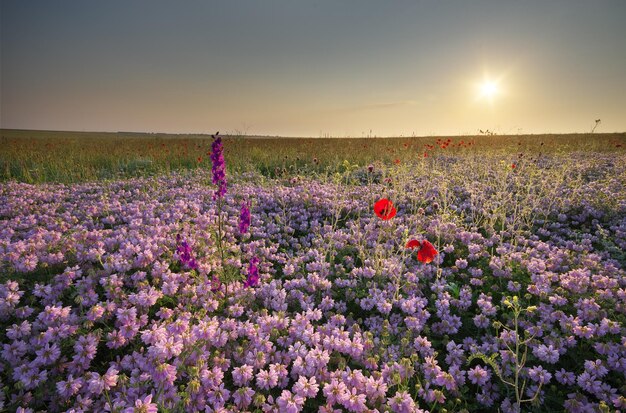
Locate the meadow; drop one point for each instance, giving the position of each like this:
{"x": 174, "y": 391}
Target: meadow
{"x": 70, "y": 157}
{"x": 434, "y": 274}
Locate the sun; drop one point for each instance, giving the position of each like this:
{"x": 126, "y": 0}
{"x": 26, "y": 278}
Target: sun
{"x": 488, "y": 89}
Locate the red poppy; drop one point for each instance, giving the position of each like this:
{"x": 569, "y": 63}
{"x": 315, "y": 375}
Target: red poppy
{"x": 396, "y": 161}
{"x": 413, "y": 244}
{"x": 384, "y": 209}
{"x": 425, "y": 250}
{"x": 513, "y": 166}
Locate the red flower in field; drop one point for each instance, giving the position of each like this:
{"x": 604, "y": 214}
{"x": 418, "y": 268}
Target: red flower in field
{"x": 425, "y": 250}
{"x": 396, "y": 161}
{"x": 513, "y": 166}
{"x": 425, "y": 155}
{"x": 199, "y": 158}
{"x": 413, "y": 244}
{"x": 384, "y": 209}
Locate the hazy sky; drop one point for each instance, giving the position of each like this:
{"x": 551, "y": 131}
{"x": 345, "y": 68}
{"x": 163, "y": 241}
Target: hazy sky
{"x": 310, "y": 68}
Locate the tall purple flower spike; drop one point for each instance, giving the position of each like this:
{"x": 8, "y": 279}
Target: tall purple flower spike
{"x": 185, "y": 254}
{"x": 253, "y": 273}
{"x": 219, "y": 167}
{"x": 244, "y": 218}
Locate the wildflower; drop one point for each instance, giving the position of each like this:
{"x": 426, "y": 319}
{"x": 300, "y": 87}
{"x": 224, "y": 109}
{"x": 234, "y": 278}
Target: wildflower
{"x": 513, "y": 166}
{"x": 306, "y": 387}
{"x": 253, "y": 273}
{"x": 144, "y": 405}
{"x": 290, "y": 403}
{"x": 184, "y": 254}
{"x": 244, "y": 218}
{"x": 216, "y": 284}
{"x": 219, "y": 167}
{"x": 425, "y": 250}
{"x": 68, "y": 388}
{"x": 478, "y": 375}
{"x": 384, "y": 209}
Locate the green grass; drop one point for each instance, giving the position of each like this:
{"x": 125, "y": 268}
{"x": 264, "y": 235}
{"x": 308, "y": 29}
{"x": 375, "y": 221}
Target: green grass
{"x": 67, "y": 157}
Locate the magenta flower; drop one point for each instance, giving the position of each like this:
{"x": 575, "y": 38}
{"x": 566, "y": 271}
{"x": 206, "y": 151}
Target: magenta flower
{"x": 219, "y": 167}
{"x": 253, "y": 273}
{"x": 244, "y": 218}
{"x": 184, "y": 254}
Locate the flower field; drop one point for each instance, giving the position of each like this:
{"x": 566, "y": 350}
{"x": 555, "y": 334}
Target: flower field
{"x": 439, "y": 281}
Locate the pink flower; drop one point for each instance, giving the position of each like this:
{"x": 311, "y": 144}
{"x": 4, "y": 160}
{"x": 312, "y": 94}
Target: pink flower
{"x": 290, "y": 403}
{"x": 144, "y": 405}
{"x": 306, "y": 388}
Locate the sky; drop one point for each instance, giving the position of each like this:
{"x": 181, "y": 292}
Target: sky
{"x": 313, "y": 68}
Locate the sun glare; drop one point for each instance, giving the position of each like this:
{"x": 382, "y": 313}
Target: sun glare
{"x": 488, "y": 89}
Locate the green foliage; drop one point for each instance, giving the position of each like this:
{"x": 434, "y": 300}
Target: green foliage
{"x": 67, "y": 157}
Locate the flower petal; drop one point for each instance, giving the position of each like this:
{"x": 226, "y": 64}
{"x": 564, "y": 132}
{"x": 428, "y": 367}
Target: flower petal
{"x": 384, "y": 209}
{"x": 427, "y": 253}
{"x": 413, "y": 244}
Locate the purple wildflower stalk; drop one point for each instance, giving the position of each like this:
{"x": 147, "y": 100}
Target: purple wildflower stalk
{"x": 184, "y": 252}
{"x": 253, "y": 273}
{"x": 219, "y": 178}
{"x": 219, "y": 167}
{"x": 244, "y": 218}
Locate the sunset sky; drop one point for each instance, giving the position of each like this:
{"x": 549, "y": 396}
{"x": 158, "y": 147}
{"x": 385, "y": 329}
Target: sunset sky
{"x": 311, "y": 68}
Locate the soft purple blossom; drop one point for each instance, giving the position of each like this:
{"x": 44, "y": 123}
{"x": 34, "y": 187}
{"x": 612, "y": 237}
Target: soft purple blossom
{"x": 142, "y": 405}
{"x": 218, "y": 168}
{"x": 100, "y": 315}
{"x": 478, "y": 375}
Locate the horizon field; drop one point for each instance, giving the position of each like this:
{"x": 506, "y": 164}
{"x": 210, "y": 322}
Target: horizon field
{"x": 57, "y": 156}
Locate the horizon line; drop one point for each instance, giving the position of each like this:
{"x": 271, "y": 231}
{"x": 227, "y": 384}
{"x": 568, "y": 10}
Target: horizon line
{"x": 326, "y": 136}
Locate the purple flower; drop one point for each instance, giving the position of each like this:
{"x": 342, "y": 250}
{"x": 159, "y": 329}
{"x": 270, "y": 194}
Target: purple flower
{"x": 546, "y": 353}
{"x": 306, "y": 388}
{"x": 68, "y": 388}
{"x": 266, "y": 379}
{"x": 402, "y": 403}
{"x": 244, "y": 218}
{"x": 253, "y": 273}
{"x": 219, "y": 167}
{"x": 184, "y": 252}
{"x": 335, "y": 391}
{"x": 539, "y": 374}
{"x": 144, "y": 405}
{"x": 290, "y": 403}
{"x": 478, "y": 375}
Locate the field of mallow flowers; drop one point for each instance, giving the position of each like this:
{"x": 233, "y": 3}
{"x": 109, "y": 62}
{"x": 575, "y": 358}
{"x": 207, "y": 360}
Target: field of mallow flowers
{"x": 439, "y": 282}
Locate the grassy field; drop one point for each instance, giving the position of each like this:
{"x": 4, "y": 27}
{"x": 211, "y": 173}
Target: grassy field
{"x": 68, "y": 157}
